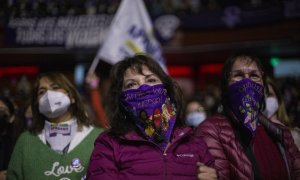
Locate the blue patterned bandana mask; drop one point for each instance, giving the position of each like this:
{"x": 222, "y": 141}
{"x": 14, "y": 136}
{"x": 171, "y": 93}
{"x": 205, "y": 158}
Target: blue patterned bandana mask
{"x": 153, "y": 111}
{"x": 246, "y": 98}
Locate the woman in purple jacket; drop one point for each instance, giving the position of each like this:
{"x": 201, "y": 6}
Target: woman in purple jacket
{"x": 147, "y": 138}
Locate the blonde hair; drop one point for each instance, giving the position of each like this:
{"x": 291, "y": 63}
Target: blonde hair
{"x": 281, "y": 113}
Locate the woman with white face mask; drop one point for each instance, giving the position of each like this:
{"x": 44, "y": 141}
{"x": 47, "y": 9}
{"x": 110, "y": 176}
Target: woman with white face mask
{"x": 194, "y": 112}
{"x": 275, "y": 110}
{"x": 60, "y": 139}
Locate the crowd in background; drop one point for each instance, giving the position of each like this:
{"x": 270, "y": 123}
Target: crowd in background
{"x": 44, "y": 8}
{"x": 21, "y": 106}
{"x": 19, "y": 90}
{"x": 27, "y": 104}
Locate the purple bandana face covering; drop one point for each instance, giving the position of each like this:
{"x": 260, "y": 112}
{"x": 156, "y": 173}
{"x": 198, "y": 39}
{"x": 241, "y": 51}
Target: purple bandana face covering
{"x": 153, "y": 111}
{"x": 246, "y": 97}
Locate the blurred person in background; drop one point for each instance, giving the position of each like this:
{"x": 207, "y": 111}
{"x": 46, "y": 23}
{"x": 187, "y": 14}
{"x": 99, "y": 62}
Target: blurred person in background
{"x": 276, "y": 111}
{"x": 246, "y": 145}
{"x": 25, "y": 116}
{"x": 93, "y": 81}
{"x": 60, "y": 139}
{"x": 290, "y": 95}
{"x": 7, "y": 133}
{"x": 195, "y": 111}
{"x": 147, "y": 138}
{"x": 212, "y": 96}
{"x": 28, "y": 116}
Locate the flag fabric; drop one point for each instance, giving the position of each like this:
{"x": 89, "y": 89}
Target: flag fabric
{"x": 130, "y": 32}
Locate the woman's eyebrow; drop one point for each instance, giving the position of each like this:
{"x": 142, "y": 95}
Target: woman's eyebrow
{"x": 41, "y": 88}
{"x": 150, "y": 75}
{"x": 128, "y": 80}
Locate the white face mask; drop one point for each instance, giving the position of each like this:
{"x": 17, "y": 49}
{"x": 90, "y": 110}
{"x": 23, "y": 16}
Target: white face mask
{"x": 54, "y": 104}
{"x": 195, "y": 118}
{"x": 271, "y": 106}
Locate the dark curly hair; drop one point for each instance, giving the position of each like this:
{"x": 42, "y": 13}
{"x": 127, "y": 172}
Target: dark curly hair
{"x": 119, "y": 123}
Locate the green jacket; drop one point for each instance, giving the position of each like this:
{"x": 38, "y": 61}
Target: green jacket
{"x": 32, "y": 159}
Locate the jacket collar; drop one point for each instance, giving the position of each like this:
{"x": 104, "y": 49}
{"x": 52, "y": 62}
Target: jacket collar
{"x": 178, "y": 133}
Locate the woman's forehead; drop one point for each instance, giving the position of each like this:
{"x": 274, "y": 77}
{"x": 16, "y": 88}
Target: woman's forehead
{"x": 244, "y": 63}
{"x": 134, "y": 70}
{"x": 45, "y": 79}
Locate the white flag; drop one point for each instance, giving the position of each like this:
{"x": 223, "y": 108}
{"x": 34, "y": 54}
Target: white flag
{"x": 130, "y": 32}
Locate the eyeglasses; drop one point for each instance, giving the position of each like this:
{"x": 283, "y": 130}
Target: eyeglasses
{"x": 254, "y": 75}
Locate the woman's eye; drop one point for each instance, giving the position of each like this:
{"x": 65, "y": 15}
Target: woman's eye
{"x": 130, "y": 85}
{"x": 152, "y": 80}
{"x": 41, "y": 92}
{"x": 239, "y": 75}
{"x": 254, "y": 75}
{"x": 55, "y": 87}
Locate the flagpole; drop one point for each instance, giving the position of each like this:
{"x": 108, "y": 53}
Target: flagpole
{"x": 130, "y": 32}
{"x": 95, "y": 94}
{"x": 94, "y": 65}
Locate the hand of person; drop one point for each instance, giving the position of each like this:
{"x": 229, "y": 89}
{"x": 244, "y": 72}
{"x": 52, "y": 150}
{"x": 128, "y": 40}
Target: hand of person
{"x": 92, "y": 80}
{"x": 2, "y": 175}
{"x": 205, "y": 172}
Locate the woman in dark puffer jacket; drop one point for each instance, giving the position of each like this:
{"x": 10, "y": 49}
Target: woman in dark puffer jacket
{"x": 244, "y": 143}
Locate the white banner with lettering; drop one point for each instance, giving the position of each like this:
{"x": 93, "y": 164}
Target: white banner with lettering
{"x": 130, "y": 32}
{"x": 87, "y": 31}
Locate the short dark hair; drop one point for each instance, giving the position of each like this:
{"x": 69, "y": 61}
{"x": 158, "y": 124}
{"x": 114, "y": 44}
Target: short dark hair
{"x": 119, "y": 123}
{"x": 226, "y": 75}
{"x": 197, "y": 99}
{"x": 77, "y": 109}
